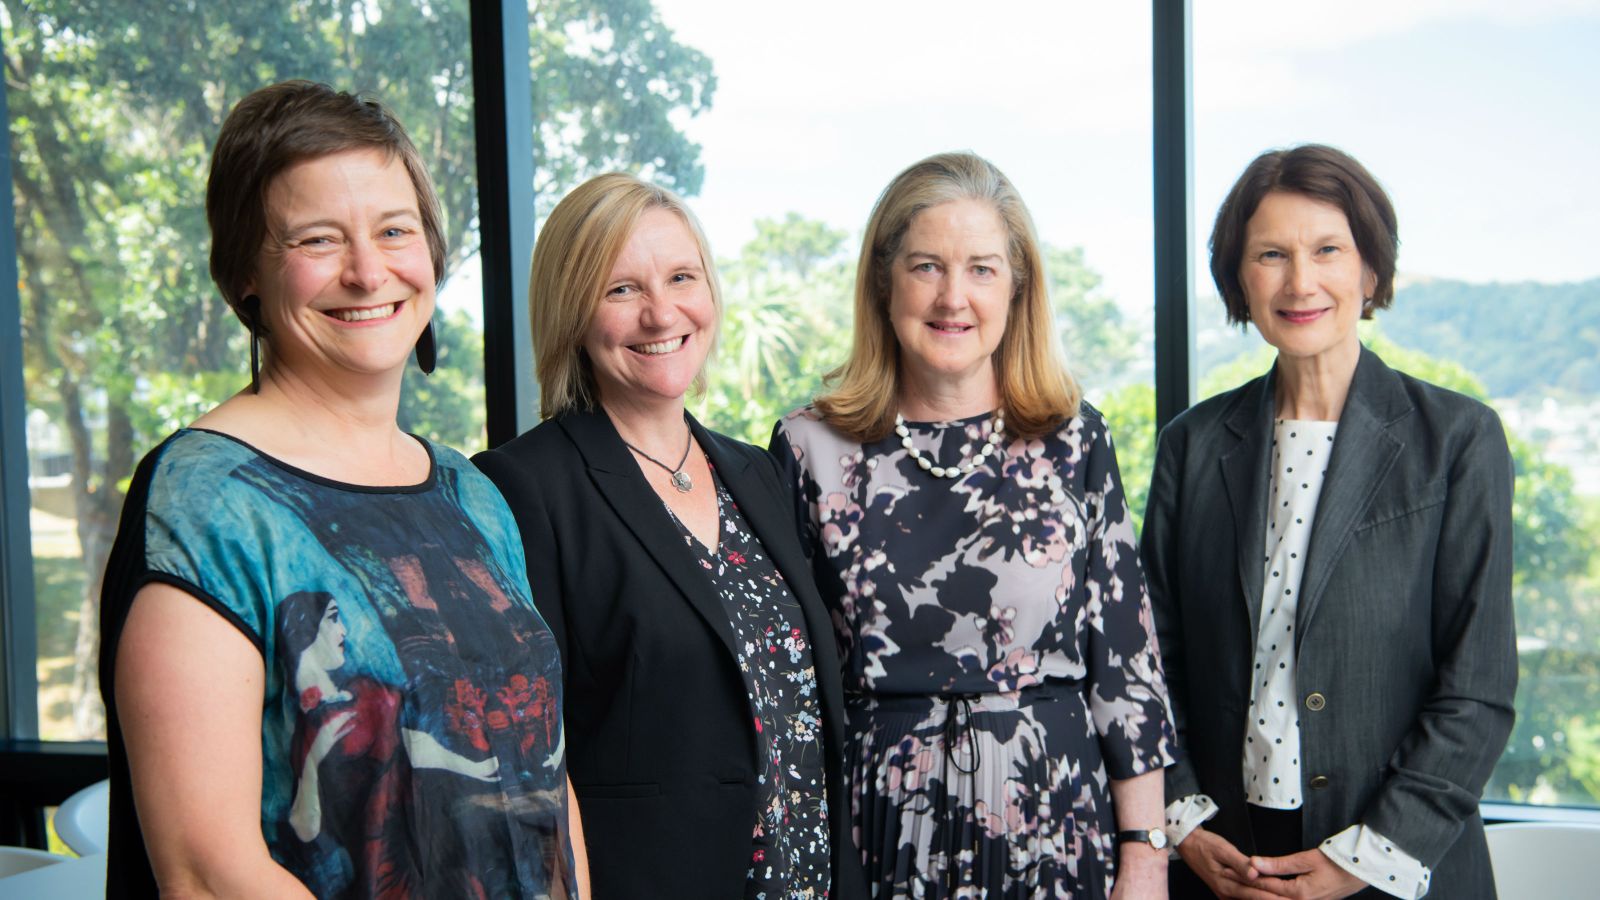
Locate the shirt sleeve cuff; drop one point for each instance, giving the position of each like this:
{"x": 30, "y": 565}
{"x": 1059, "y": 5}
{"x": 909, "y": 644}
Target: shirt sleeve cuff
{"x": 1186, "y": 814}
{"x": 1375, "y": 859}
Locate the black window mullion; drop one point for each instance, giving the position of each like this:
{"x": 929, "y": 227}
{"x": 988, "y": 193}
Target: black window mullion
{"x": 502, "y": 84}
{"x": 1173, "y": 153}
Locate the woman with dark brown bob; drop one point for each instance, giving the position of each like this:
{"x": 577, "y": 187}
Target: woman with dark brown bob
{"x": 1328, "y": 549}
{"x": 323, "y": 671}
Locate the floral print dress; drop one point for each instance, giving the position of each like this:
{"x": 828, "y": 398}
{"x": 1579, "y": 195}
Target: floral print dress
{"x": 1000, "y": 657}
{"x": 790, "y": 854}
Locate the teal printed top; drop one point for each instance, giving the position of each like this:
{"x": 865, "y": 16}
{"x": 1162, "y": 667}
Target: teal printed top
{"x": 412, "y": 740}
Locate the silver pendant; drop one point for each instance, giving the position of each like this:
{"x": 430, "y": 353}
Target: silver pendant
{"x": 682, "y": 481}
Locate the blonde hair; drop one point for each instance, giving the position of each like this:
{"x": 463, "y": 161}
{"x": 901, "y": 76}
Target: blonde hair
{"x": 572, "y": 261}
{"x": 1037, "y": 393}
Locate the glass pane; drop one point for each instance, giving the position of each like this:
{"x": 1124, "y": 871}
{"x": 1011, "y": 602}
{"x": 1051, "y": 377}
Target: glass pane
{"x": 112, "y": 118}
{"x": 1471, "y": 116}
{"x": 797, "y": 149}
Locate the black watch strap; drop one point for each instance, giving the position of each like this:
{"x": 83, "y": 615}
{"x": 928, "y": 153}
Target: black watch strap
{"x": 1155, "y": 837}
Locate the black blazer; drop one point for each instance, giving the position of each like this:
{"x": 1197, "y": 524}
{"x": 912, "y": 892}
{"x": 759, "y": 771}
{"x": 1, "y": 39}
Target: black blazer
{"x": 661, "y": 747}
{"x": 1405, "y": 648}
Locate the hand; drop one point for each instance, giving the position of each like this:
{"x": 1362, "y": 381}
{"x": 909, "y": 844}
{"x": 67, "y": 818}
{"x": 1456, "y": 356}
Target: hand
{"x": 1220, "y": 865}
{"x": 1309, "y": 874}
{"x": 305, "y": 813}
{"x": 332, "y": 730}
{"x": 1141, "y": 873}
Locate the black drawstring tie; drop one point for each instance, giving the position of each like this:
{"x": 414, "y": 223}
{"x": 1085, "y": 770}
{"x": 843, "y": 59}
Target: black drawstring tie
{"x": 953, "y": 729}
{"x": 957, "y": 706}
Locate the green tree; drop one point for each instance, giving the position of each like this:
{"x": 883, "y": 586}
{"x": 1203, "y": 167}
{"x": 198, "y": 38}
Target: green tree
{"x": 114, "y": 109}
{"x": 1100, "y": 346}
{"x": 1130, "y": 413}
{"x": 610, "y": 82}
{"x": 786, "y": 321}
{"x": 1102, "y": 349}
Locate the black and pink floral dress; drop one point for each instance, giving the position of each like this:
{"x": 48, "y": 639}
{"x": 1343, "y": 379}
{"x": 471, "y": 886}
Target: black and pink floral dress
{"x": 1000, "y": 658}
{"x": 789, "y": 856}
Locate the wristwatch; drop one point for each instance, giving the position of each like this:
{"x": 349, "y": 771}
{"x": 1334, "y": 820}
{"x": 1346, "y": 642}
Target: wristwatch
{"x": 1155, "y": 837}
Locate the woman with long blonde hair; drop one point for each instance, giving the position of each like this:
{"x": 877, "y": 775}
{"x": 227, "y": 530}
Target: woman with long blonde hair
{"x": 969, "y": 532}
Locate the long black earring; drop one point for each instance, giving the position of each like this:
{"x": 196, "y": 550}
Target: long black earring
{"x": 252, "y": 309}
{"x": 255, "y": 363}
{"x": 427, "y": 350}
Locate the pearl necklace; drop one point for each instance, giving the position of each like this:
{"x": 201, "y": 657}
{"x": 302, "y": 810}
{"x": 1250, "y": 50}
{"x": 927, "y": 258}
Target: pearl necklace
{"x": 996, "y": 432}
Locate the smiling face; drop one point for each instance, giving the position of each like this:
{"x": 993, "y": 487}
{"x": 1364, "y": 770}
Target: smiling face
{"x": 653, "y": 328}
{"x": 344, "y": 275}
{"x": 1304, "y": 280}
{"x": 950, "y": 292}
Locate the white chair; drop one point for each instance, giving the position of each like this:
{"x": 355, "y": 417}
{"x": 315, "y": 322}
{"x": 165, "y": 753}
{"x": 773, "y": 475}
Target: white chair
{"x": 70, "y": 879}
{"x": 1545, "y": 860}
{"x": 16, "y": 860}
{"x": 84, "y": 820}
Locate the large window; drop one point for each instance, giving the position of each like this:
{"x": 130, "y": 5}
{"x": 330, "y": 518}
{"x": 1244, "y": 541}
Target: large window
{"x": 112, "y": 118}
{"x": 1473, "y": 117}
{"x": 781, "y": 126}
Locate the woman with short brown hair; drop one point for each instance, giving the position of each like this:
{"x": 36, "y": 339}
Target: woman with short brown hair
{"x": 323, "y": 671}
{"x": 1329, "y": 555}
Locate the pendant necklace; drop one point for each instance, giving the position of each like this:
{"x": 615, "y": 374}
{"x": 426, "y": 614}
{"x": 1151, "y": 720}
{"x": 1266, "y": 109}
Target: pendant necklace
{"x": 680, "y": 478}
{"x": 965, "y": 467}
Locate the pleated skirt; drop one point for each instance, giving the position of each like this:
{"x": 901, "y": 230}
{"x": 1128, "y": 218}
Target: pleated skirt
{"x": 999, "y": 796}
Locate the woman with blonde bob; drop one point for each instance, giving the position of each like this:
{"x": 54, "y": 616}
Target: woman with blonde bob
{"x": 970, "y": 536}
{"x": 705, "y": 725}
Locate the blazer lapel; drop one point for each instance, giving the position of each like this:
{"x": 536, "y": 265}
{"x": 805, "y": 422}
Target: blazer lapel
{"x": 767, "y": 511}
{"x": 767, "y": 514}
{"x": 1245, "y": 479}
{"x": 617, "y": 477}
{"x": 758, "y": 506}
{"x": 1363, "y": 453}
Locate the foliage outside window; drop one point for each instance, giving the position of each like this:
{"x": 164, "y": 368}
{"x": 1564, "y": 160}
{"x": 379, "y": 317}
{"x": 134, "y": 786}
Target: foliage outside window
{"x": 112, "y": 119}
{"x": 114, "y": 109}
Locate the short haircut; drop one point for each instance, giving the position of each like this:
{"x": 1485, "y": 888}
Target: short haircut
{"x": 1037, "y": 393}
{"x": 1321, "y": 173}
{"x": 572, "y": 261}
{"x": 280, "y": 126}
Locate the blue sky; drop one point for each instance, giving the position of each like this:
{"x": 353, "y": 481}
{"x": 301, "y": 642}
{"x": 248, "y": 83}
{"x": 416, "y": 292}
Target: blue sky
{"x": 1480, "y": 117}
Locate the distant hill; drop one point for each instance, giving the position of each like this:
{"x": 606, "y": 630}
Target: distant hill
{"x": 1519, "y": 338}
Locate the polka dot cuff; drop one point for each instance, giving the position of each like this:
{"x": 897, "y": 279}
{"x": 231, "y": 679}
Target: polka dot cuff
{"x": 1185, "y": 815}
{"x": 1375, "y": 859}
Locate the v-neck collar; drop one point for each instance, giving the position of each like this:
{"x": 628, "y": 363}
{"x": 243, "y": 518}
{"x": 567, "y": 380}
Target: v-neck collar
{"x": 714, "y": 553}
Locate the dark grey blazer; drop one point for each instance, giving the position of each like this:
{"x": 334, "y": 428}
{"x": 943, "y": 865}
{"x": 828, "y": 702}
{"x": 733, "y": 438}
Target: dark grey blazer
{"x": 661, "y": 747}
{"x": 1405, "y": 647}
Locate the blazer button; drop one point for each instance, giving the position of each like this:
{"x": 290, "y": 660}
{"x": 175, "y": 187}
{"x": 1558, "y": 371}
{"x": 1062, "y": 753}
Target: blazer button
{"x": 1315, "y": 702}
{"x": 1319, "y": 782}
